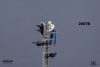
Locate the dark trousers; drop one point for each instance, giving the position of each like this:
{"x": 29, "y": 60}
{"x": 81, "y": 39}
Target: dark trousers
{"x": 52, "y": 40}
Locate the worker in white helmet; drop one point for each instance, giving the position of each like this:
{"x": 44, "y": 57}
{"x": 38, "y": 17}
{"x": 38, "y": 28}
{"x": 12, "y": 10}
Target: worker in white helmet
{"x": 52, "y": 31}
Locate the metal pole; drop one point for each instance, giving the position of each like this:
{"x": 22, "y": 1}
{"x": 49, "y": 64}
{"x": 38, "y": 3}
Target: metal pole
{"x": 46, "y": 58}
{"x": 45, "y": 55}
{"x": 45, "y": 49}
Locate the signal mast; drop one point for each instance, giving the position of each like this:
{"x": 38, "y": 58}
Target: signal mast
{"x": 45, "y": 44}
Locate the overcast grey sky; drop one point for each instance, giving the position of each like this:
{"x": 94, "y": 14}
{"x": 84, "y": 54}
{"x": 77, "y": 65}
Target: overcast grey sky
{"x": 76, "y": 45}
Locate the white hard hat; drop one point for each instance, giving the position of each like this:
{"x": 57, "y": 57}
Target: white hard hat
{"x": 49, "y": 22}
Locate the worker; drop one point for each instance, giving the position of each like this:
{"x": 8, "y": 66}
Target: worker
{"x": 52, "y": 32}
